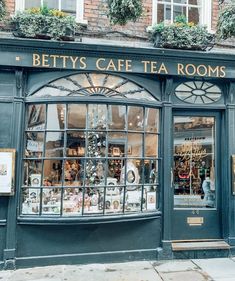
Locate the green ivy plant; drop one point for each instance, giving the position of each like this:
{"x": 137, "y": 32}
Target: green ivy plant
{"x": 44, "y": 23}
{"x": 226, "y": 22}
{"x": 180, "y": 35}
{"x": 122, "y": 11}
{"x": 2, "y": 9}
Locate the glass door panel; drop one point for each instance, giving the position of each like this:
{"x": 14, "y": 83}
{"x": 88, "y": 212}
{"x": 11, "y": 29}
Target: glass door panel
{"x": 194, "y": 162}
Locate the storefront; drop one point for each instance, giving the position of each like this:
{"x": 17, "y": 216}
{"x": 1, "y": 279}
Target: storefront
{"x": 119, "y": 152}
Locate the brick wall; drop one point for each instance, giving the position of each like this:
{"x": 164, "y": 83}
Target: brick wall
{"x": 215, "y": 14}
{"x": 10, "y": 6}
{"x": 96, "y": 15}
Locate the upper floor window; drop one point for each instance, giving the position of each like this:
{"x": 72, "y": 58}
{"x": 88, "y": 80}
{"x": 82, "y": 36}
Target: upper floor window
{"x": 72, "y": 7}
{"x": 197, "y": 11}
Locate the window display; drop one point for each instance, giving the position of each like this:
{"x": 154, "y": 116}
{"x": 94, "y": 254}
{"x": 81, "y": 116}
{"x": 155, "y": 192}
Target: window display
{"x": 90, "y": 159}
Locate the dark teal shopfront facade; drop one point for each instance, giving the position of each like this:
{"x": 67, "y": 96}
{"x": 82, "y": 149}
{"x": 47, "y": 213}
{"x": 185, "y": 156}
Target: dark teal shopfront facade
{"x": 188, "y": 142}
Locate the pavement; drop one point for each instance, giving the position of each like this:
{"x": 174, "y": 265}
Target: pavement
{"x": 221, "y": 269}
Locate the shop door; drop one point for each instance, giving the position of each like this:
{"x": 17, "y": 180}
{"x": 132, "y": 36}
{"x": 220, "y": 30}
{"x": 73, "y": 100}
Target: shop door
{"x": 196, "y": 179}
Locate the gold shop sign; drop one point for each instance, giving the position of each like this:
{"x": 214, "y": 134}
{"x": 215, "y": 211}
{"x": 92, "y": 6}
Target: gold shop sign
{"x": 195, "y": 221}
{"x": 128, "y": 65}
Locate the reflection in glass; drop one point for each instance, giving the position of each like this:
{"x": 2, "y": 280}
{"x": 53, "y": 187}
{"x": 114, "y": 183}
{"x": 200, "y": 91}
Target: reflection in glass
{"x": 34, "y": 144}
{"x": 135, "y": 118}
{"x": 51, "y": 4}
{"x": 194, "y": 158}
{"x": 135, "y": 145}
{"x": 117, "y": 117}
{"x": 69, "y": 6}
{"x": 51, "y": 201}
{"x": 32, "y": 173}
{"x": 151, "y": 145}
{"x": 52, "y": 173}
{"x": 54, "y": 144}
{"x": 76, "y": 143}
{"x": 55, "y": 116}
{"x": 163, "y": 12}
{"x": 76, "y": 116}
{"x": 30, "y": 201}
{"x": 97, "y": 116}
{"x": 178, "y": 11}
{"x": 36, "y": 117}
{"x": 152, "y": 120}
{"x": 96, "y": 144}
{"x": 95, "y": 172}
{"x": 32, "y": 3}
{"x": 194, "y": 15}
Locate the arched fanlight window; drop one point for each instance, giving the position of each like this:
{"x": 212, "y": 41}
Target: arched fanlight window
{"x": 198, "y": 92}
{"x": 88, "y": 84}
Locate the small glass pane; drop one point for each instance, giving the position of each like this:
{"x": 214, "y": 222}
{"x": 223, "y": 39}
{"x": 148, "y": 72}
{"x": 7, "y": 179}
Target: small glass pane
{"x": 195, "y": 2}
{"x": 36, "y": 117}
{"x": 117, "y": 117}
{"x": 194, "y": 162}
{"x": 30, "y": 201}
{"x": 96, "y": 144}
{"x": 113, "y": 199}
{"x": 135, "y": 145}
{"x": 32, "y": 173}
{"x": 73, "y": 172}
{"x": 135, "y": 118}
{"x": 133, "y": 200}
{"x": 93, "y": 201}
{"x": 178, "y": 11}
{"x": 114, "y": 171}
{"x": 150, "y": 198}
{"x": 34, "y": 144}
{"x": 180, "y": 1}
{"x": 151, "y": 145}
{"x": 77, "y": 116}
{"x": 95, "y": 172}
{"x": 32, "y": 4}
{"x": 152, "y": 120}
{"x": 151, "y": 172}
{"x": 97, "y": 116}
{"x": 131, "y": 173}
{"x": 54, "y": 144}
{"x": 194, "y": 15}
{"x": 76, "y": 143}
{"x": 69, "y": 6}
{"x": 55, "y": 116}
{"x": 52, "y": 173}
{"x": 51, "y": 4}
{"x": 72, "y": 201}
{"x": 51, "y": 201}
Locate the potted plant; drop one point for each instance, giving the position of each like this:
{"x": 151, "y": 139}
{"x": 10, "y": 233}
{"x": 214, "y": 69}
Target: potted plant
{"x": 44, "y": 23}
{"x": 226, "y": 22}
{"x": 180, "y": 35}
{"x": 122, "y": 11}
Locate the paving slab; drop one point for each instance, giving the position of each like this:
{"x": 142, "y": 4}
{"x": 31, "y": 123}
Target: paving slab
{"x": 217, "y": 268}
{"x": 174, "y": 266}
{"x": 184, "y": 275}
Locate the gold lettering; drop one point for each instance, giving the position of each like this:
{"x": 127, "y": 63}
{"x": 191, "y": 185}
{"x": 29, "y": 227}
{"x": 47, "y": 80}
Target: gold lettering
{"x": 54, "y": 57}
{"x": 203, "y": 67}
{"x": 64, "y": 58}
{"x": 222, "y": 71}
{"x": 163, "y": 68}
{"x": 74, "y": 60}
{"x": 83, "y": 63}
{"x": 146, "y": 63}
{"x": 111, "y": 65}
{"x": 153, "y": 67}
{"x": 36, "y": 60}
{"x": 120, "y": 64}
{"x": 187, "y": 69}
{"x": 128, "y": 65}
{"x": 45, "y": 60}
{"x": 212, "y": 70}
{"x": 98, "y": 64}
{"x": 180, "y": 69}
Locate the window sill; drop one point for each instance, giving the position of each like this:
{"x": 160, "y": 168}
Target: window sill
{"x": 32, "y": 220}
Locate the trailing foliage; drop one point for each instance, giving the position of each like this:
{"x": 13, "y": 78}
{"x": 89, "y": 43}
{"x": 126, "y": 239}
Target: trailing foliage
{"x": 226, "y": 22}
{"x": 39, "y": 22}
{"x": 180, "y": 35}
{"x": 122, "y": 11}
{"x": 2, "y": 9}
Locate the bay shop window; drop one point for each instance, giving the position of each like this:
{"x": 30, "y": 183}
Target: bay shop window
{"x": 90, "y": 158}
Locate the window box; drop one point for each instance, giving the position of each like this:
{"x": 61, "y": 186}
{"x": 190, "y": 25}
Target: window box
{"x": 43, "y": 23}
